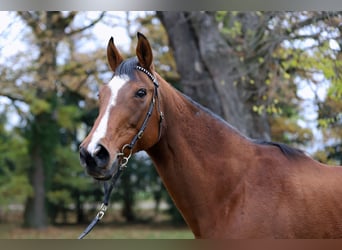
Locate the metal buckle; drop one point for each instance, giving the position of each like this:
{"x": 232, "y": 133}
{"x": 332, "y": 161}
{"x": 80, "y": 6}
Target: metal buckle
{"x": 102, "y": 211}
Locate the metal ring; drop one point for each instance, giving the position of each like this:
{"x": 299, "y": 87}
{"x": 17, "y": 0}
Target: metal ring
{"x": 130, "y": 151}
{"x": 124, "y": 162}
{"x": 100, "y": 215}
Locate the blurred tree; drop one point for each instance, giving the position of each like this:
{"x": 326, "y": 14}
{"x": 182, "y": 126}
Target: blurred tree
{"x": 214, "y": 71}
{"x": 306, "y": 57}
{"x": 140, "y": 177}
{"x": 245, "y": 66}
{"x": 14, "y": 184}
{"x": 330, "y": 121}
{"x": 40, "y": 83}
{"x": 330, "y": 109}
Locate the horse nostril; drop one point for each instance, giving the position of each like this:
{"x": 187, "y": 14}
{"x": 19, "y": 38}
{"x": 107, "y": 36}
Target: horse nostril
{"x": 101, "y": 156}
{"x": 85, "y": 158}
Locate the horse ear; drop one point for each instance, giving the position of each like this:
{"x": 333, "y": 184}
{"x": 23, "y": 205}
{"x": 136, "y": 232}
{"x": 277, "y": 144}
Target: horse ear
{"x": 113, "y": 55}
{"x": 144, "y": 52}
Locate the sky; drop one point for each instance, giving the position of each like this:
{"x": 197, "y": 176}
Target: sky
{"x": 11, "y": 35}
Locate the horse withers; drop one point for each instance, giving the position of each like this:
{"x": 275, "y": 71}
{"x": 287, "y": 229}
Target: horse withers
{"x": 224, "y": 184}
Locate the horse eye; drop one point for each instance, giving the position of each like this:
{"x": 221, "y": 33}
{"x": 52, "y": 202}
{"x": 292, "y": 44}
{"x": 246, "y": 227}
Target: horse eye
{"x": 140, "y": 93}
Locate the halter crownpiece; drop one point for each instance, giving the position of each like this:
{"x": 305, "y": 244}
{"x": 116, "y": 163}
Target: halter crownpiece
{"x": 153, "y": 79}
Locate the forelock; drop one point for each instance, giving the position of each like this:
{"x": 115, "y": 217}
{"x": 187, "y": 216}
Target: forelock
{"x": 127, "y": 68}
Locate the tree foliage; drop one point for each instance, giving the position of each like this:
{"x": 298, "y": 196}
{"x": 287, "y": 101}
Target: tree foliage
{"x": 14, "y": 184}
{"x": 46, "y": 89}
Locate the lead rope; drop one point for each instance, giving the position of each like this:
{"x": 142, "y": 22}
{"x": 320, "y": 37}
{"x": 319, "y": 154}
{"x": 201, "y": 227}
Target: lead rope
{"x": 108, "y": 189}
{"x": 104, "y": 205}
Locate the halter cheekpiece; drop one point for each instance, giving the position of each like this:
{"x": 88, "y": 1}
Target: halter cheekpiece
{"x": 131, "y": 145}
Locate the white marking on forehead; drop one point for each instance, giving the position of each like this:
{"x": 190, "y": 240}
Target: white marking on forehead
{"x": 114, "y": 85}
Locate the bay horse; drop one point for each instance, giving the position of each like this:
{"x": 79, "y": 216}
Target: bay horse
{"x": 224, "y": 184}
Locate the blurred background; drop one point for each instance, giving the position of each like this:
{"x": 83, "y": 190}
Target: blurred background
{"x": 282, "y": 82}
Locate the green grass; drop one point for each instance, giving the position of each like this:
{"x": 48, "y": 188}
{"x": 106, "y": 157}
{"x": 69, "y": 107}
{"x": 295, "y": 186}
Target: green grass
{"x": 101, "y": 231}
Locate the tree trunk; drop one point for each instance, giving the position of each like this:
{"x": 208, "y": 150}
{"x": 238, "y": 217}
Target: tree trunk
{"x": 79, "y": 210}
{"x": 48, "y": 30}
{"x": 42, "y": 135}
{"x": 43, "y": 130}
{"x": 211, "y": 73}
{"x": 35, "y": 214}
{"x": 128, "y": 198}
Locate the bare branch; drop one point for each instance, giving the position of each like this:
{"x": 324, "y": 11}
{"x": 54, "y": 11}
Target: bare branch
{"x": 10, "y": 95}
{"x": 32, "y": 20}
{"x": 72, "y": 32}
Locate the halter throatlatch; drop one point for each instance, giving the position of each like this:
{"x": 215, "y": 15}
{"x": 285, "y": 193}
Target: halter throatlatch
{"x": 124, "y": 157}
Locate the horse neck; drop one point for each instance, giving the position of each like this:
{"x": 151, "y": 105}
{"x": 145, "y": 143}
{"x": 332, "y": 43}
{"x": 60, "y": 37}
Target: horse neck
{"x": 188, "y": 156}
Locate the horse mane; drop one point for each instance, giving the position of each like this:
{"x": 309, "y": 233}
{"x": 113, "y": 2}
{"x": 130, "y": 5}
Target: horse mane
{"x": 288, "y": 151}
{"x": 206, "y": 110}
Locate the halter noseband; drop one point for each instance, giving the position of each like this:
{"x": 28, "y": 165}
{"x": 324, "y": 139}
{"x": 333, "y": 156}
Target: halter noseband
{"x": 108, "y": 186}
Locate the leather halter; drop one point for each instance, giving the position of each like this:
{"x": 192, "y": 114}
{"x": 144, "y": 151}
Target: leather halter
{"x": 149, "y": 112}
{"x": 109, "y": 185}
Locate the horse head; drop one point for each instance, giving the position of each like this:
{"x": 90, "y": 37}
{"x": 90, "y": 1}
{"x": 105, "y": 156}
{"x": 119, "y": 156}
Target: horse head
{"x": 128, "y": 120}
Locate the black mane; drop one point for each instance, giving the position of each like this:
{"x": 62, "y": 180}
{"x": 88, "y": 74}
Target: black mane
{"x": 288, "y": 151}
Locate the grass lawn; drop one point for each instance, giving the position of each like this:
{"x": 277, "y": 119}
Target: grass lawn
{"x": 113, "y": 226}
{"x": 101, "y": 231}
